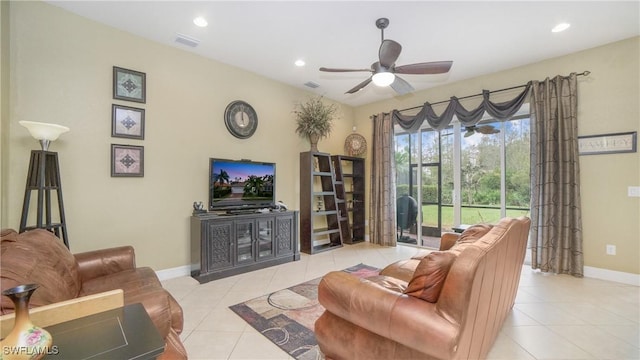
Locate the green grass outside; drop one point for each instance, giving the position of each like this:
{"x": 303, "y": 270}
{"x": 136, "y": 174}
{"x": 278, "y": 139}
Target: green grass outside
{"x": 468, "y": 216}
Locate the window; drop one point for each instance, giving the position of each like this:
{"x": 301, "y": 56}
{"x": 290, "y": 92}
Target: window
{"x": 465, "y": 177}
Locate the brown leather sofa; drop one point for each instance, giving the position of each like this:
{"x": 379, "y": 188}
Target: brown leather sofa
{"x": 38, "y": 256}
{"x": 442, "y": 305}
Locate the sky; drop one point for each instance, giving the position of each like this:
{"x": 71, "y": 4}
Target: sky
{"x": 242, "y": 170}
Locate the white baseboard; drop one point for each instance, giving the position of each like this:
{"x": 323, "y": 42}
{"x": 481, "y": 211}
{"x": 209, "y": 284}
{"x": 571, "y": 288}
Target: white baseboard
{"x": 612, "y": 275}
{"x": 175, "y": 272}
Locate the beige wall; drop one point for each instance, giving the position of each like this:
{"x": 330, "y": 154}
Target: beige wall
{"x": 61, "y": 72}
{"x": 4, "y": 107}
{"x": 608, "y": 102}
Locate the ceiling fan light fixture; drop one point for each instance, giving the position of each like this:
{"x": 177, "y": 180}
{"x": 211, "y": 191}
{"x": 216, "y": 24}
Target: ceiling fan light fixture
{"x": 383, "y": 78}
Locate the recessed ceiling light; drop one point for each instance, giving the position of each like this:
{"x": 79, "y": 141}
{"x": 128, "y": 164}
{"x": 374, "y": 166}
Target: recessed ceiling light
{"x": 200, "y": 21}
{"x": 560, "y": 27}
{"x": 300, "y": 62}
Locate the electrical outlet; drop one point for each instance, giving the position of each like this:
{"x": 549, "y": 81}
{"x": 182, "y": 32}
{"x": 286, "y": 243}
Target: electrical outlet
{"x": 633, "y": 191}
{"x": 611, "y": 249}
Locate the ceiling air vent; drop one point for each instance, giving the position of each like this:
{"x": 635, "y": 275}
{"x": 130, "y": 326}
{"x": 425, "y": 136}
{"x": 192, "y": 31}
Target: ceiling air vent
{"x": 311, "y": 84}
{"x": 187, "y": 40}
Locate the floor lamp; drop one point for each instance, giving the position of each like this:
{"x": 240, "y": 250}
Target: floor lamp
{"x": 43, "y": 176}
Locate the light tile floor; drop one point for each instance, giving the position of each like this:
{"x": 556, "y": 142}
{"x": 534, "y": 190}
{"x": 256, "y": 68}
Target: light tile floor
{"x": 555, "y": 316}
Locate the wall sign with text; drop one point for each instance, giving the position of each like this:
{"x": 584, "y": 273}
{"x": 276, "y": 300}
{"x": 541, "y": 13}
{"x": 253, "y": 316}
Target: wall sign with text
{"x": 607, "y": 143}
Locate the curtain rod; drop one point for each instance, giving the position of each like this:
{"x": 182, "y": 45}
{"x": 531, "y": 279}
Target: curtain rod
{"x": 584, "y": 73}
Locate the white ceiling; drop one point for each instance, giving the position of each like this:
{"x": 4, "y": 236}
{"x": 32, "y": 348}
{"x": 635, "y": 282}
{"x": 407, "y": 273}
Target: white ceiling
{"x": 266, "y": 37}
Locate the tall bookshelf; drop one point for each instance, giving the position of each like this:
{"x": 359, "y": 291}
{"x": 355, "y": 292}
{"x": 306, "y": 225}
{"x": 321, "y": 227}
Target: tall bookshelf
{"x": 320, "y": 225}
{"x": 350, "y": 191}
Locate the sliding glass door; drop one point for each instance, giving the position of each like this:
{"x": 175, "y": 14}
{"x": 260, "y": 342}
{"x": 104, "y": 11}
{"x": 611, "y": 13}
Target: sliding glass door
{"x": 418, "y": 171}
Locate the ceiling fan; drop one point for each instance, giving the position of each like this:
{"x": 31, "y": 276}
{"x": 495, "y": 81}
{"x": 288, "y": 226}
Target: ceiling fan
{"x": 482, "y": 129}
{"x": 384, "y": 70}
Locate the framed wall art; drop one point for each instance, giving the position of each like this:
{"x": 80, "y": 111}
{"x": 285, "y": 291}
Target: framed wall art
{"x": 127, "y": 122}
{"x": 129, "y": 85}
{"x": 607, "y": 143}
{"x": 127, "y": 161}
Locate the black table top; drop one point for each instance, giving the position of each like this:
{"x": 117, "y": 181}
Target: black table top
{"x": 123, "y": 333}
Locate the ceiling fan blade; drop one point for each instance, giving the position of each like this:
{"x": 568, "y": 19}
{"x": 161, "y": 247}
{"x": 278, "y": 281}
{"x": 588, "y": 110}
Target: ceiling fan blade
{"x": 435, "y": 67}
{"x": 487, "y": 129}
{"x": 342, "y": 70}
{"x": 470, "y": 130}
{"x": 389, "y": 52}
{"x": 359, "y": 86}
{"x": 400, "y": 86}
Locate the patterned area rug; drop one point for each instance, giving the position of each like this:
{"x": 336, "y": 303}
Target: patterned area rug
{"x": 286, "y": 317}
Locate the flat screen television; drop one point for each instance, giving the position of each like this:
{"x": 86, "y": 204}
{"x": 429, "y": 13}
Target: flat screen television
{"x": 238, "y": 184}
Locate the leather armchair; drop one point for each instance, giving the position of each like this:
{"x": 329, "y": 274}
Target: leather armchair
{"x": 440, "y": 305}
{"x": 38, "y": 256}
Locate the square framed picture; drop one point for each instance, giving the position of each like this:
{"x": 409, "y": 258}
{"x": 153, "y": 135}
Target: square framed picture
{"x": 127, "y": 161}
{"x": 129, "y": 85}
{"x": 127, "y": 122}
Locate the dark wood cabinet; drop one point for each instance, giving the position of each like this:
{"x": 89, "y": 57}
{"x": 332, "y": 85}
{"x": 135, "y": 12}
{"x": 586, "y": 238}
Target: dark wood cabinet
{"x": 225, "y": 245}
{"x": 350, "y": 191}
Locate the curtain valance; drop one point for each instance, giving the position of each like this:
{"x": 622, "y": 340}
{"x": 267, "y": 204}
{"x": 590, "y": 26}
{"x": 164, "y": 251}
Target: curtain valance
{"x": 500, "y": 111}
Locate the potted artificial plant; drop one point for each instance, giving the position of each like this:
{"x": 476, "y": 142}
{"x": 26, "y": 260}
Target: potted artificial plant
{"x": 315, "y": 120}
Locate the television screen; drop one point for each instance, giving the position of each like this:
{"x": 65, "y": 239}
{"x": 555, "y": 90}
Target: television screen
{"x": 241, "y": 183}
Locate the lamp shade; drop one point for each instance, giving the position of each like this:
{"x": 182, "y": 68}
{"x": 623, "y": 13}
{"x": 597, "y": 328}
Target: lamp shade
{"x": 383, "y": 78}
{"x": 44, "y": 131}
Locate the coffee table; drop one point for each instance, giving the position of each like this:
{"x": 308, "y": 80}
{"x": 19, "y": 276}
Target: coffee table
{"x": 123, "y": 333}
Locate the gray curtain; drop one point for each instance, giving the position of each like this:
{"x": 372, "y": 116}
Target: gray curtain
{"x": 382, "y": 210}
{"x": 556, "y": 220}
{"x": 500, "y": 111}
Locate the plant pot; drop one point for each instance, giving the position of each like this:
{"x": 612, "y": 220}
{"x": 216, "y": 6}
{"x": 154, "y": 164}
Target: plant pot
{"x": 26, "y": 340}
{"x": 313, "y": 139}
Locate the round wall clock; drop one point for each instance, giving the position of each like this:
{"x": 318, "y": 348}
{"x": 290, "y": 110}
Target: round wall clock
{"x": 241, "y": 119}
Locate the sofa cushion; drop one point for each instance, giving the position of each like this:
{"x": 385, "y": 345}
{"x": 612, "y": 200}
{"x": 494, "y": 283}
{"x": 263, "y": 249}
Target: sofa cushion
{"x": 428, "y": 278}
{"x": 401, "y": 269}
{"x": 130, "y": 281}
{"x": 430, "y": 274}
{"x": 39, "y": 257}
{"x": 389, "y": 282}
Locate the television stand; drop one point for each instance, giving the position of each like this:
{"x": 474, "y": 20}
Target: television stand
{"x": 229, "y": 245}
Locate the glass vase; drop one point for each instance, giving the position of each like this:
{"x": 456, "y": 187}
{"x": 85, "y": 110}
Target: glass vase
{"x": 26, "y": 340}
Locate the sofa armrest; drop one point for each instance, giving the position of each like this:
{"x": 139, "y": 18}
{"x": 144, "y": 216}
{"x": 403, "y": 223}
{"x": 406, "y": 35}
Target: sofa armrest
{"x": 158, "y": 304}
{"x": 405, "y": 319}
{"x": 93, "y": 264}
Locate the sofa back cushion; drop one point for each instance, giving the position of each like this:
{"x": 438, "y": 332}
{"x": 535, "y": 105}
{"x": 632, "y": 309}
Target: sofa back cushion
{"x": 37, "y": 257}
